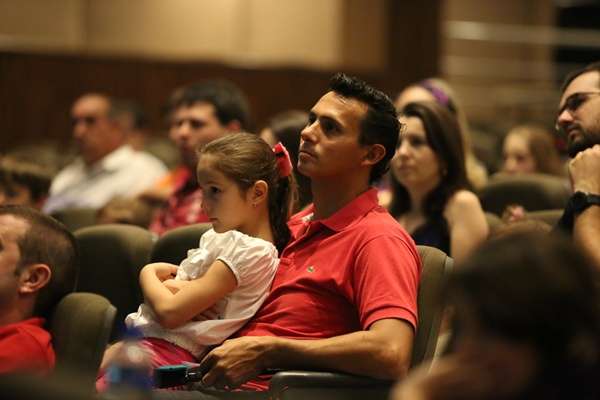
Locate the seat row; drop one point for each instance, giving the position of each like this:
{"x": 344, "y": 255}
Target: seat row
{"x": 111, "y": 258}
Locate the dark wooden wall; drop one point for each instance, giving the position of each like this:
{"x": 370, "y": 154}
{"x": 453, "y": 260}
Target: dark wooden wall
{"x": 36, "y": 90}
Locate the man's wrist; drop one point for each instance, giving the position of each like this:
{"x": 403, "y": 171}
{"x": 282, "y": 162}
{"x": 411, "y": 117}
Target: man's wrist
{"x": 274, "y": 352}
{"x": 580, "y": 201}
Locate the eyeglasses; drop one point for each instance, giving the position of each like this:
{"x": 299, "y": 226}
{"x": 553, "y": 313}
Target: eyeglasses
{"x": 576, "y": 100}
{"x": 572, "y": 104}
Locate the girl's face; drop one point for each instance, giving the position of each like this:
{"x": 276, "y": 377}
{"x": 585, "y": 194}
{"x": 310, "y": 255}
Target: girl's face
{"x": 415, "y": 165}
{"x": 517, "y": 157}
{"x": 223, "y": 202}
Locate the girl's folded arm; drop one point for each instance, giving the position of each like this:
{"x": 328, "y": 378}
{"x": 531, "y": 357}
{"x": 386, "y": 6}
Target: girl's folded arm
{"x": 173, "y": 310}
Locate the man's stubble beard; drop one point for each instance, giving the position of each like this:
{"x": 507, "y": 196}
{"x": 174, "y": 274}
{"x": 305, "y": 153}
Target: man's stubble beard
{"x": 587, "y": 139}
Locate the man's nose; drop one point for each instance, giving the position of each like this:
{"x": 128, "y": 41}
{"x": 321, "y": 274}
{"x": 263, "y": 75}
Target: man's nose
{"x": 564, "y": 119}
{"x": 181, "y": 131}
{"x": 308, "y": 133}
{"x": 79, "y": 129}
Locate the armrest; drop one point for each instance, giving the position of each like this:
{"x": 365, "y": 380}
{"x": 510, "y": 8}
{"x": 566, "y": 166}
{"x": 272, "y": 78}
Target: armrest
{"x": 285, "y": 380}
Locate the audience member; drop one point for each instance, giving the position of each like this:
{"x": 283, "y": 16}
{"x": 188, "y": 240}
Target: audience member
{"x": 430, "y": 191}
{"x": 527, "y": 326}
{"x": 248, "y": 194}
{"x": 530, "y": 149}
{"x": 23, "y": 183}
{"x": 107, "y": 166}
{"x": 285, "y": 127}
{"x": 579, "y": 118}
{"x": 344, "y": 294}
{"x": 37, "y": 268}
{"x": 198, "y": 113}
{"x": 435, "y": 89}
{"x": 133, "y": 121}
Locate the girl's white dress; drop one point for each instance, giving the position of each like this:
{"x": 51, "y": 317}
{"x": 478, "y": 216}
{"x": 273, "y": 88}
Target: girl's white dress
{"x": 253, "y": 261}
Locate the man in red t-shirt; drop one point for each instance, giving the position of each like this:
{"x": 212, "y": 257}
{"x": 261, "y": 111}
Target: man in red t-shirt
{"x": 37, "y": 268}
{"x": 345, "y": 294}
{"x": 198, "y": 113}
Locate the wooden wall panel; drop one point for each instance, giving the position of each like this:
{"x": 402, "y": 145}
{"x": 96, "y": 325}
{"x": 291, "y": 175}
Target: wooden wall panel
{"x": 37, "y": 90}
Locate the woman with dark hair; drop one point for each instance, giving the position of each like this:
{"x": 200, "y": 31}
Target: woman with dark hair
{"x": 527, "y": 326}
{"x": 439, "y": 91}
{"x": 431, "y": 196}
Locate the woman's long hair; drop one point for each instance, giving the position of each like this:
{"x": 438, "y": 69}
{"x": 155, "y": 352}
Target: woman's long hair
{"x": 443, "y": 136}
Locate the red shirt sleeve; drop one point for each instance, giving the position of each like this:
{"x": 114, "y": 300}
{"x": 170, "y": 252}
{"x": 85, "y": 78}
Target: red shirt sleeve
{"x": 386, "y": 280}
{"x": 26, "y": 346}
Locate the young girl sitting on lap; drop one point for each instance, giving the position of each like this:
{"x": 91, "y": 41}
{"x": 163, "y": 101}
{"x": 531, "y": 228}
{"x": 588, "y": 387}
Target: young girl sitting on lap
{"x": 248, "y": 190}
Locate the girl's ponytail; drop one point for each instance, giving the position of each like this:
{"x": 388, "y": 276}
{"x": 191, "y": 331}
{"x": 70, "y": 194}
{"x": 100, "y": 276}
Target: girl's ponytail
{"x": 283, "y": 197}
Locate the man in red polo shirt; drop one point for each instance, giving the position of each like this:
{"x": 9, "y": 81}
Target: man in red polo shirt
{"x": 345, "y": 293}
{"x": 37, "y": 268}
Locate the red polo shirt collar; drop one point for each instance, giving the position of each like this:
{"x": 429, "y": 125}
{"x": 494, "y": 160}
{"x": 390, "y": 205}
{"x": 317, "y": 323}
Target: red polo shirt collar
{"x": 343, "y": 218}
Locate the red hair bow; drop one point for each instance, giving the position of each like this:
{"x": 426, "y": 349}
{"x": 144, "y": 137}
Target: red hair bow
{"x": 284, "y": 163}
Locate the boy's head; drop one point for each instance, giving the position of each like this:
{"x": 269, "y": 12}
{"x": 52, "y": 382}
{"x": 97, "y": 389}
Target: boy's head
{"x": 38, "y": 262}
{"x": 23, "y": 183}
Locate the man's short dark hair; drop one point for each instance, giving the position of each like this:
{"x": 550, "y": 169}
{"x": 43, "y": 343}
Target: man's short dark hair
{"x": 47, "y": 241}
{"x": 229, "y": 101}
{"x": 34, "y": 177}
{"x": 380, "y": 124}
{"x": 593, "y": 67}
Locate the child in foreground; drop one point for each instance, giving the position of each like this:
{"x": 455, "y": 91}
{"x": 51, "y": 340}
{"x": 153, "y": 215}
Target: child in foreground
{"x": 248, "y": 190}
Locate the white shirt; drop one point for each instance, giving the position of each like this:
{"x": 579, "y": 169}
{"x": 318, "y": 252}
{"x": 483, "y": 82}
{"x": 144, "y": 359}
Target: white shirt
{"x": 123, "y": 172}
{"x": 253, "y": 261}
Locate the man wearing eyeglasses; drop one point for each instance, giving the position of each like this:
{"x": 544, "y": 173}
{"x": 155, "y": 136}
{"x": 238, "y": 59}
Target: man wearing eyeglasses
{"x": 579, "y": 118}
{"x": 106, "y": 167}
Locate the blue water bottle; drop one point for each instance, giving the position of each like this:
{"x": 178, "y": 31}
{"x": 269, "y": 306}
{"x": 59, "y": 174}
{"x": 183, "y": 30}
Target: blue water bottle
{"x": 131, "y": 368}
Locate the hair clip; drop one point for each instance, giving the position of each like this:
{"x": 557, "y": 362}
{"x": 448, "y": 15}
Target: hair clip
{"x": 284, "y": 163}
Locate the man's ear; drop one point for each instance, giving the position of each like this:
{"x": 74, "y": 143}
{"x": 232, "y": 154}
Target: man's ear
{"x": 375, "y": 153}
{"x": 234, "y": 126}
{"x": 258, "y": 192}
{"x": 33, "y": 278}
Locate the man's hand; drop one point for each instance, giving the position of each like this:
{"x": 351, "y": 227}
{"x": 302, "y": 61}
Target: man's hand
{"x": 584, "y": 171}
{"x": 237, "y": 360}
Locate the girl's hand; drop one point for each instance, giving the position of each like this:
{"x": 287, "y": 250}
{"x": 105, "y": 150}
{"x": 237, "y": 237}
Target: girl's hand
{"x": 163, "y": 271}
{"x": 174, "y": 285}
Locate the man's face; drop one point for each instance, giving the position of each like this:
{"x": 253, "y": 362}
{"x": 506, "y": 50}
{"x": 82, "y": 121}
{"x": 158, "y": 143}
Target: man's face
{"x": 579, "y": 112}
{"x": 94, "y": 134}
{"x": 11, "y": 230}
{"x": 329, "y": 146}
{"x": 192, "y": 127}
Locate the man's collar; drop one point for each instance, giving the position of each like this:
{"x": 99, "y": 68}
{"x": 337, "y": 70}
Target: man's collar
{"x": 348, "y": 214}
